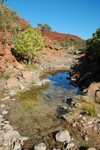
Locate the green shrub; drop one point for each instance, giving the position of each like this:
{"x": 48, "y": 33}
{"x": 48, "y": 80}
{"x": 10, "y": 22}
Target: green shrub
{"x": 89, "y": 106}
{"x": 72, "y": 44}
{"x": 93, "y": 49}
{"x": 29, "y": 44}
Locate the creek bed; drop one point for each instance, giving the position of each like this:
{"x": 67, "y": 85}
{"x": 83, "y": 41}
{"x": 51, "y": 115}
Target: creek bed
{"x": 34, "y": 112}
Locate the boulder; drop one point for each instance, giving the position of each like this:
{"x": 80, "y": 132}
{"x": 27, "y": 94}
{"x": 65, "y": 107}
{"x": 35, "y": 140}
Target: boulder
{"x": 63, "y": 136}
{"x": 40, "y": 146}
{"x": 11, "y": 82}
{"x": 27, "y": 75}
{"x": 93, "y": 89}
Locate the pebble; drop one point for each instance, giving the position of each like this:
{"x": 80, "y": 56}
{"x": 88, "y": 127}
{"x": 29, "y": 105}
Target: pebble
{"x": 91, "y": 148}
{"x": 3, "y": 105}
{"x": 4, "y": 112}
{"x": 22, "y": 87}
{"x": 40, "y": 146}
{"x": 6, "y": 98}
{"x": 69, "y": 145}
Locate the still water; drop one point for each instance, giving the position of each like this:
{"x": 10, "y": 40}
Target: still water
{"x": 36, "y": 109}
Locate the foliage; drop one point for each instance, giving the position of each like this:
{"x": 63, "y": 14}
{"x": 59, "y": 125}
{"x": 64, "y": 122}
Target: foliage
{"x": 89, "y": 106}
{"x": 29, "y": 44}
{"x": 43, "y": 27}
{"x": 93, "y": 48}
{"x": 2, "y": 1}
{"x": 73, "y": 44}
{"x": 8, "y": 22}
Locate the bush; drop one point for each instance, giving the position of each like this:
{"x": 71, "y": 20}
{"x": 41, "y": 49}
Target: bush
{"x": 89, "y": 106}
{"x": 93, "y": 49}
{"x": 29, "y": 44}
{"x": 74, "y": 44}
{"x": 9, "y": 22}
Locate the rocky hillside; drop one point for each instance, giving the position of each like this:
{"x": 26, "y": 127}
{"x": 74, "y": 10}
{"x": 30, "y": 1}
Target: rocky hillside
{"x": 55, "y": 36}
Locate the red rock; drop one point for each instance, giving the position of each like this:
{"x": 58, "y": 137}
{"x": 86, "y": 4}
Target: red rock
{"x": 11, "y": 82}
{"x": 18, "y": 65}
{"x": 27, "y": 75}
{"x": 2, "y": 51}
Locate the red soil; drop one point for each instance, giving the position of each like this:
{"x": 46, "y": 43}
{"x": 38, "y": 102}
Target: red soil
{"x": 54, "y": 36}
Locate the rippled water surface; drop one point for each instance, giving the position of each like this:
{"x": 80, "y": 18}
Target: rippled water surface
{"x": 36, "y": 109}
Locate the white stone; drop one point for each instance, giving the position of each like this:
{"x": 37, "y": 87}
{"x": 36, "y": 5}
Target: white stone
{"x": 91, "y": 148}
{"x": 40, "y": 146}
{"x": 8, "y": 127}
{"x": 12, "y": 93}
{"x": 13, "y": 99}
{"x": 4, "y": 112}
{"x": 70, "y": 145}
{"x": 63, "y": 136}
{"x": 3, "y": 105}
{"x": 17, "y": 146}
{"x": 6, "y": 98}
{"x": 6, "y": 122}
{"x": 1, "y": 116}
{"x": 11, "y": 135}
{"x": 22, "y": 87}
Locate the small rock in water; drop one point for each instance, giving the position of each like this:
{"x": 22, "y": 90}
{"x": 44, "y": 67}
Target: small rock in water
{"x": 40, "y": 146}
{"x": 4, "y": 112}
{"x": 3, "y": 105}
{"x": 63, "y": 136}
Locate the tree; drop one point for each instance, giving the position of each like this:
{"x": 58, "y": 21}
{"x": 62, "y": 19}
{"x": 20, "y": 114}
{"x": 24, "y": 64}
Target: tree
{"x": 2, "y": 1}
{"x": 43, "y": 27}
{"x": 29, "y": 45}
{"x": 93, "y": 48}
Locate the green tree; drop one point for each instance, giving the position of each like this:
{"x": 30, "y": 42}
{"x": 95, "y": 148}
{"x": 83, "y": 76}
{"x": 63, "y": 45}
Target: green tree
{"x": 2, "y": 1}
{"x": 93, "y": 48}
{"x": 29, "y": 45}
{"x": 43, "y": 27}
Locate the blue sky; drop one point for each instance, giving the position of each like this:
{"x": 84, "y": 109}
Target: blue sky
{"x": 77, "y": 17}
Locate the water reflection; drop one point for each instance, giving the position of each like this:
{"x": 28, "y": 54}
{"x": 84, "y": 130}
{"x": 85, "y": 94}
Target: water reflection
{"x": 36, "y": 109}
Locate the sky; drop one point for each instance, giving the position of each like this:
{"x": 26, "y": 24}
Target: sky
{"x": 77, "y": 17}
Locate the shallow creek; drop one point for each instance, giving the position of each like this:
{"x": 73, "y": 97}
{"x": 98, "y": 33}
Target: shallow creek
{"x": 35, "y": 110}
